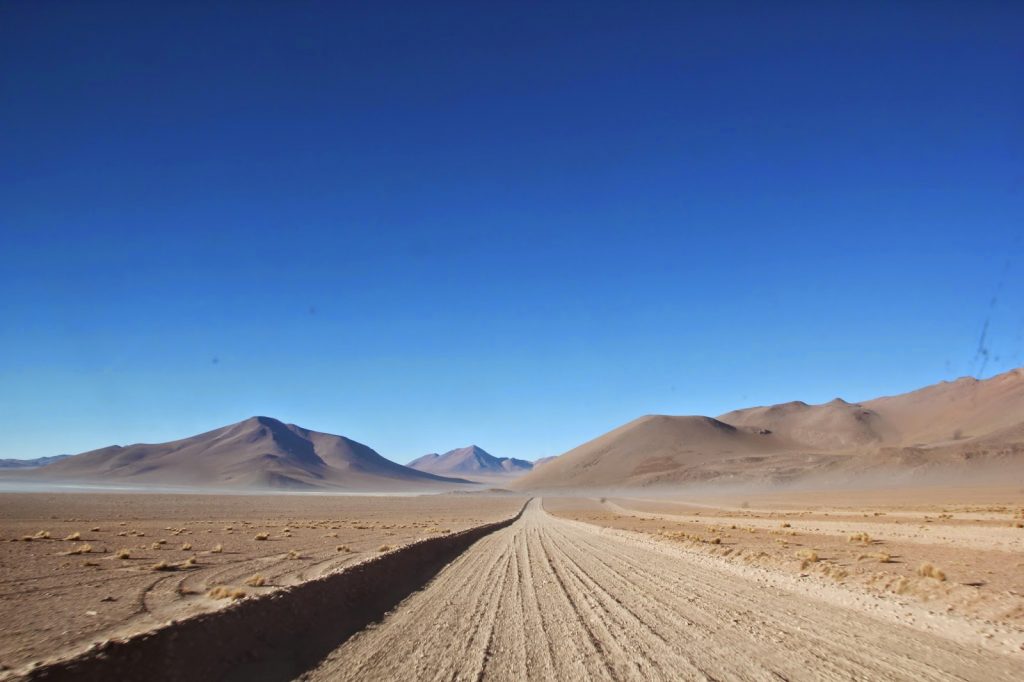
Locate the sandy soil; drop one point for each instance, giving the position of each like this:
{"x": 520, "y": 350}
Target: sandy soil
{"x": 58, "y": 596}
{"x": 552, "y": 598}
{"x": 978, "y": 548}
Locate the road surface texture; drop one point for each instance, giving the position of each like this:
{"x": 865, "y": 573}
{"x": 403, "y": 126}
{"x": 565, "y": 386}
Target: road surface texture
{"x": 552, "y": 599}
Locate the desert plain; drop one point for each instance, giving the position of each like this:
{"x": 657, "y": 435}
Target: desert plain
{"x": 881, "y": 540}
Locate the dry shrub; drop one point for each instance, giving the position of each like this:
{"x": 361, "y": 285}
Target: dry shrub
{"x": 81, "y": 549}
{"x": 262, "y": 536}
{"x": 189, "y": 562}
{"x": 808, "y": 555}
{"x": 74, "y": 536}
{"x": 222, "y": 592}
{"x": 256, "y": 581}
{"x": 217, "y": 549}
{"x": 155, "y": 545}
{"x": 880, "y": 557}
{"x": 344, "y": 548}
{"x": 123, "y": 554}
{"x": 385, "y": 548}
{"x": 862, "y": 538}
{"x": 186, "y": 547}
{"x": 162, "y": 566}
{"x": 928, "y": 570}
{"x": 294, "y": 554}
{"x": 43, "y": 535}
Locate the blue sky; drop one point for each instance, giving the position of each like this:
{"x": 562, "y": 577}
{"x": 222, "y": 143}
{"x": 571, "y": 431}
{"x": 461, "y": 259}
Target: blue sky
{"x": 518, "y": 224}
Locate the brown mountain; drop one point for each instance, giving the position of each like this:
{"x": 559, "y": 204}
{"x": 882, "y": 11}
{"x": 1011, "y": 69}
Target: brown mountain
{"x": 471, "y": 462}
{"x": 259, "y": 452}
{"x": 652, "y": 449}
{"x": 963, "y": 423}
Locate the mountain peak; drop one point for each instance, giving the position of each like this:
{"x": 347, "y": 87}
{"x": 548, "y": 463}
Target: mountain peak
{"x": 471, "y": 459}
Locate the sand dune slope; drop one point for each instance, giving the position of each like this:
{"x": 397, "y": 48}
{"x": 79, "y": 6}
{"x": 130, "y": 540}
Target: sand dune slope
{"x": 622, "y": 608}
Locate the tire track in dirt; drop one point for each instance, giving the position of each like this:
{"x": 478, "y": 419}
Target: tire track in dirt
{"x": 548, "y": 598}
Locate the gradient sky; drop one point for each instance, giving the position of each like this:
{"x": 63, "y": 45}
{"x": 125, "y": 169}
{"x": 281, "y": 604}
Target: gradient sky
{"x": 516, "y": 224}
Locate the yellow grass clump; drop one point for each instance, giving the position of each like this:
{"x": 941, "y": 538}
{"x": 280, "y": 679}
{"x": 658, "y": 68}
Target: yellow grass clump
{"x": 74, "y": 536}
{"x": 880, "y": 557}
{"x": 808, "y": 555}
{"x": 81, "y": 549}
{"x": 928, "y": 570}
{"x": 385, "y": 548}
{"x": 217, "y": 549}
{"x": 123, "y": 554}
{"x": 186, "y": 547}
{"x": 344, "y": 548}
{"x": 256, "y": 581}
{"x": 262, "y": 536}
{"x": 294, "y": 554}
{"x": 862, "y": 538}
{"x": 222, "y": 592}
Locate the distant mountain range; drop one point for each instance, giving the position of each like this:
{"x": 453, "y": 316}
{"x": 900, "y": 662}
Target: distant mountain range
{"x": 961, "y": 426}
{"x": 471, "y": 462}
{"x": 30, "y": 463}
{"x": 258, "y": 453}
{"x": 957, "y": 427}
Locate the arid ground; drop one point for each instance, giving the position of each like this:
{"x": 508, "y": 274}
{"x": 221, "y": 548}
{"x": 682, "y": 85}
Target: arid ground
{"x": 909, "y": 584}
{"x": 81, "y": 568}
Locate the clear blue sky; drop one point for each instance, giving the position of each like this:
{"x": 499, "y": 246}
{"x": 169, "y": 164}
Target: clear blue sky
{"x": 515, "y": 224}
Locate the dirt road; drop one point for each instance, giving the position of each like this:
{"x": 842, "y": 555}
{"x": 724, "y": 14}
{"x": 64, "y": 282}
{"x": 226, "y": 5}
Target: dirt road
{"x": 550, "y": 599}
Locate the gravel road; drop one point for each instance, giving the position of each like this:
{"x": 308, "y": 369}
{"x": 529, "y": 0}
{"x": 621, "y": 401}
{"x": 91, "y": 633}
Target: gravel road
{"x": 551, "y": 599}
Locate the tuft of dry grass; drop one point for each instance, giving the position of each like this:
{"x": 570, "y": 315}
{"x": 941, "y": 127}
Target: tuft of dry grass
{"x": 81, "y": 549}
{"x": 222, "y": 592}
{"x": 217, "y": 549}
{"x": 385, "y": 548}
{"x": 294, "y": 554}
{"x": 808, "y": 555}
{"x": 186, "y": 547}
{"x": 880, "y": 557}
{"x": 256, "y": 581}
{"x": 262, "y": 536}
{"x": 162, "y": 566}
{"x": 43, "y": 535}
{"x": 862, "y": 538}
{"x": 123, "y": 554}
{"x": 74, "y": 536}
{"x": 928, "y": 570}
{"x": 155, "y": 545}
{"x": 344, "y": 548}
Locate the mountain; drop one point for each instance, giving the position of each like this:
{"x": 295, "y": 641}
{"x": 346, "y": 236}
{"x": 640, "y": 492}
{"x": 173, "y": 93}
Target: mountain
{"x": 257, "y": 453}
{"x": 30, "y": 463}
{"x": 652, "y": 449}
{"x": 967, "y": 425}
{"x": 471, "y": 462}
{"x": 834, "y": 426}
